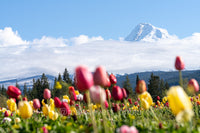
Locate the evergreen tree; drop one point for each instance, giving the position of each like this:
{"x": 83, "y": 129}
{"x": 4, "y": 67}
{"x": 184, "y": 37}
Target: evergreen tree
{"x": 25, "y": 91}
{"x": 153, "y": 86}
{"x": 3, "y": 90}
{"x": 166, "y": 86}
{"x": 59, "y": 77}
{"x": 66, "y": 77}
{"x": 17, "y": 85}
{"x": 127, "y": 86}
{"x": 137, "y": 79}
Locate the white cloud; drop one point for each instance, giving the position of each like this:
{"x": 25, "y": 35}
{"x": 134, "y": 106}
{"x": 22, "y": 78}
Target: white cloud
{"x": 10, "y": 38}
{"x": 52, "y": 55}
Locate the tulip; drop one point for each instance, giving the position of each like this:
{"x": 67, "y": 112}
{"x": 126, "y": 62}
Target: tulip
{"x": 65, "y": 109}
{"x": 130, "y": 100}
{"x": 101, "y": 76}
{"x": 25, "y": 99}
{"x": 133, "y": 129}
{"x": 97, "y": 94}
{"x": 141, "y": 87}
{"x": 158, "y": 98}
{"x": 13, "y": 91}
{"x": 113, "y": 79}
{"x": 7, "y": 113}
{"x": 79, "y": 97}
{"x": 180, "y": 104}
{"x": 108, "y": 94}
{"x": 45, "y": 130}
{"x": 47, "y": 94}
{"x": 17, "y": 120}
{"x": 124, "y": 93}
{"x": 45, "y": 110}
{"x": 57, "y": 102}
{"x": 106, "y": 104}
{"x": 36, "y": 103}
{"x": 193, "y": 86}
{"x": 179, "y": 64}
{"x": 12, "y": 106}
{"x": 117, "y": 93}
{"x": 83, "y": 78}
{"x": 72, "y": 93}
{"x": 124, "y": 129}
{"x": 58, "y": 85}
{"x": 53, "y": 115}
{"x": 25, "y": 109}
{"x": 136, "y": 103}
{"x": 116, "y": 108}
{"x": 146, "y": 100}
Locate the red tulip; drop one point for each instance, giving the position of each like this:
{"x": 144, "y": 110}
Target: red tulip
{"x": 108, "y": 94}
{"x": 97, "y": 94}
{"x": 57, "y": 102}
{"x": 13, "y": 91}
{"x": 25, "y": 99}
{"x": 158, "y": 98}
{"x": 65, "y": 109}
{"x": 83, "y": 78}
{"x": 6, "y": 114}
{"x": 47, "y": 94}
{"x": 141, "y": 87}
{"x": 36, "y": 103}
{"x": 108, "y": 82}
{"x": 193, "y": 86}
{"x": 130, "y": 101}
{"x": 117, "y": 93}
{"x": 72, "y": 102}
{"x": 101, "y": 77}
{"x": 179, "y": 64}
{"x": 113, "y": 79}
{"x": 124, "y": 93}
{"x": 136, "y": 103}
{"x": 72, "y": 93}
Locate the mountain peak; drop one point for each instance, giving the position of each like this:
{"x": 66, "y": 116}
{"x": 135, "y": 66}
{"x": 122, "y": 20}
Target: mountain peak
{"x": 147, "y": 32}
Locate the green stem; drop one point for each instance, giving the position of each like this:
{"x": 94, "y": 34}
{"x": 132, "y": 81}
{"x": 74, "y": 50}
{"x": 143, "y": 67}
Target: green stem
{"x": 91, "y": 112}
{"x": 154, "y": 115}
{"x": 180, "y": 79}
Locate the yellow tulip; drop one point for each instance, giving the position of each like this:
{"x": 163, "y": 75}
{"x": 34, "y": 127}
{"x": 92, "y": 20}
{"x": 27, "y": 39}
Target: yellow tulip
{"x": 52, "y": 106}
{"x": 77, "y": 92}
{"x": 58, "y": 85}
{"x": 180, "y": 104}
{"x": 43, "y": 103}
{"x": 45, "y": 110}
{"x": 12, "y": 106}
{"x": 53, "y": 115}
{"x": 146, "y": 100}
{"x": 73, "y": 110}
{"x": 164, "y": 100}
{"x": 25, "y": 109}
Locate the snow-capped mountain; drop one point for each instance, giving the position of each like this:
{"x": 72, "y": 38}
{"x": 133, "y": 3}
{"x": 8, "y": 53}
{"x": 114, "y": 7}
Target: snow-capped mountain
{"x": 147, "y": 32}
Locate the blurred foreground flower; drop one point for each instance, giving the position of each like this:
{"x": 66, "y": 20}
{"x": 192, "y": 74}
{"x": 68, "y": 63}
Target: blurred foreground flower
{"x": 180, "y": 104}
{"x": 58, "y": 85}
{"x": 146, "y": 100}
{"x": 25, "y": 109}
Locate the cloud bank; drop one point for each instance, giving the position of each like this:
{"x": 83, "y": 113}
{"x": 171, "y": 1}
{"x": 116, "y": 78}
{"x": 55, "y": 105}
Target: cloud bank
{"x": 21, "y": 58}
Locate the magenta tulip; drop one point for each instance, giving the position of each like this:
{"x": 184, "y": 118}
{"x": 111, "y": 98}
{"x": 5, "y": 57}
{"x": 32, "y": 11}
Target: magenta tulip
{"x": 47, "y": 94}
{"x": 113, "y": 79}
{"x": 57, "y": 102}
{"x": 72, "y": 93}
{"x": 179, "y": 64}
{"x": 124, "y": 93}
{"x": 117, "y": 93}
{"x": 65, "y": 109}
{"x": 36, "y": 103}
{"x": 108, "y": 94}
{"x": 83, "y": 78}
{"x": 101, "y": 77}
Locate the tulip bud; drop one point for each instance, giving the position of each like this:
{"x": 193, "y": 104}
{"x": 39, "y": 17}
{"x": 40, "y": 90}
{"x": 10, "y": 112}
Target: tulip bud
{"x": 193, "y": 86}
{"x": 108, "y": 94}
{"x": 106, "y": 104}
{"x": 6, "y": 113}
{"x": 136, "y": 103}
{"x": 130, "y": 101}
{"x": 97, "y": 94}
{"x": 83, "y": 78}
{"x": 25, "y": 99}
{"x": 117, "y": 93}
{"x": 47, "y": 94}
{"x": 101, "y": 77}
{"x": 36, "y": 103}
{"x": 57, "y": 102}
{"x": 124, "y": 93}
{"x": 113, "y": 79}
{"x": 158, "y": 98}
{"x": 141, "y": 87}
{"x": 65, "y": 109}
{"x": 13, "y": 91}
{"x": 179, "y": 64}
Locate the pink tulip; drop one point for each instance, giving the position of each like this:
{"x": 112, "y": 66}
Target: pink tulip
{"x": 113, "y": 79}
{"x": 117, "y": 93}
{"x": 133, "y": 129}
{"x": 65, "y": 109}
{"x": 13, "y": 91}
{"x": 83, "y": 78}
{"x": 36, "y": 103}
{"x": 193, "y": 86}
{"x": 101, "y": 77}
{"x": 106, "y": 104}
{"x": 97, "y": 94}
{"x": 57, "y": 102}
{"x": 179, "y": 64}
{"x": 158, "y": 98}
{"x": 124, "y": 93}
{"x": 45, "y": 130}
{"x": 47, "y": 94}
{"x": 124, "y": 129}
{"x": 141, "y": 87}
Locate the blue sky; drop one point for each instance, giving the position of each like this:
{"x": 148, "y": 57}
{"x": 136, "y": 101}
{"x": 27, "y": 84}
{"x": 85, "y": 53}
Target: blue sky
{"x": 110, "y": 19}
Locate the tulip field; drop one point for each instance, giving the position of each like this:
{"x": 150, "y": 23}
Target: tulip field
{"x": 96, "y": 104}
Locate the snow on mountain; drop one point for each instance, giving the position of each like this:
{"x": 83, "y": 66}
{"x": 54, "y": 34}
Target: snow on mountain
{"x": 148, "y": 33}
